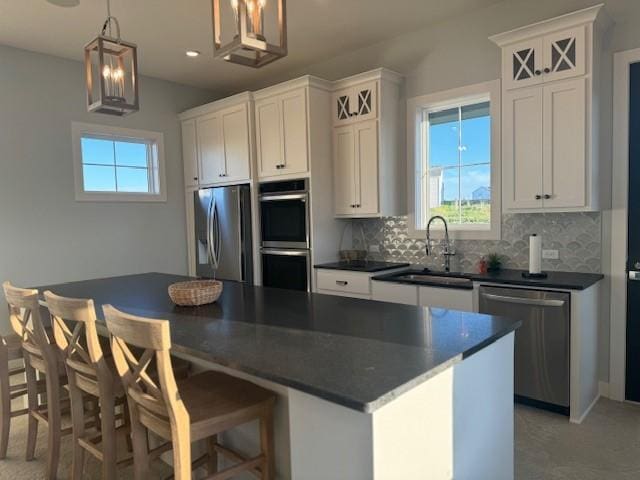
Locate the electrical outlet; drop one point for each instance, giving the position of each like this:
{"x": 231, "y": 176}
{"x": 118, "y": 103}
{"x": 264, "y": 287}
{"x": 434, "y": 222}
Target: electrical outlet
{"x": 374, "y": 248}
{"x": 550, "y": 254}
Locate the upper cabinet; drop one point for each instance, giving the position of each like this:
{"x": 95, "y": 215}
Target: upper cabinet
{"x": 356, "y": 103}
{"x": 545, "y": 58}
{"x": 216, "y": 142}
{"x": 550, "y": 134}
{"x": 368, "y": 168}
{"x": 282, "y": 133}
{"x": 190, "y": 153}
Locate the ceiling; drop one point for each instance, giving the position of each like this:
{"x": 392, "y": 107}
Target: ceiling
{"x": 165, "y": 29}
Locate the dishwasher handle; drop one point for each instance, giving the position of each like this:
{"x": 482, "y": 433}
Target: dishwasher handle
{"x": 524, "y": 301}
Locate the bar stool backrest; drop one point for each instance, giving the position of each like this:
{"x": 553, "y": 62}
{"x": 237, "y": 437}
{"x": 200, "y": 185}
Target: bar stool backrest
{"x": 157, "y": 406}
{"x": 25, "y": 319}
{"x": 76, "y": 335}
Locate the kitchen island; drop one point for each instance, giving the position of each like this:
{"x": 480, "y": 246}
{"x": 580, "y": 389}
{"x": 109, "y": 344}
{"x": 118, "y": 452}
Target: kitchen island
{"x": 367, "y": 390}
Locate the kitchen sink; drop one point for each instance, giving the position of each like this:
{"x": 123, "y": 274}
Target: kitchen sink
{"x": 450, "y": 280}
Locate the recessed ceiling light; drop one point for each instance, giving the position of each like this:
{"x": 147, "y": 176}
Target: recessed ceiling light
{"x": 192, "y": 53}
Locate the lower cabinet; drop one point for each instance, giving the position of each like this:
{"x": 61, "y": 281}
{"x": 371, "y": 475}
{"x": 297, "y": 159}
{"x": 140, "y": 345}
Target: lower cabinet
{"x": 360, "y": 285}
{"x": 343, "y": 283}
{"x": 394, "y": 292}
{"x": 450, "y": 298}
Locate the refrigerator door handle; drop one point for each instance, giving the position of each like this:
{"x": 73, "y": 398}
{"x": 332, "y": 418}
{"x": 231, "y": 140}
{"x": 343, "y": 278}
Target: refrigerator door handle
{"x": 215, "y": 234}
{"x": 210, "y": 237}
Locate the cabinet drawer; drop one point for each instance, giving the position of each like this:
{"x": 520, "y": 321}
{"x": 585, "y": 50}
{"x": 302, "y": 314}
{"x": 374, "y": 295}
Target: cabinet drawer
{"x": 449, "y": 298}
{"x": 346, "y": 282}
{"x": 394, "y": 292}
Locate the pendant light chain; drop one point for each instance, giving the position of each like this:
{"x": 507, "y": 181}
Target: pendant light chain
{"x": 107, "y": 23}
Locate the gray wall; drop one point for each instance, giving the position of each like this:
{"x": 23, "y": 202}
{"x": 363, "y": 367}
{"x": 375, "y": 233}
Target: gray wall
{"x": 45, "y": 235}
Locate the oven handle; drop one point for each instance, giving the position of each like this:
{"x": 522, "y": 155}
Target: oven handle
{"x": 288, "y": 196}
{"x": 291, "y": 253}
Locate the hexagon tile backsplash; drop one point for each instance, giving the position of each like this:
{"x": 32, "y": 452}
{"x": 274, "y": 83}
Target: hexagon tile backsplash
{"x": 576, "y": 236}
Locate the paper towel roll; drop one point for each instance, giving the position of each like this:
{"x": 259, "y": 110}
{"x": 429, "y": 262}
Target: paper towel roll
{"x": 535, "y": 254}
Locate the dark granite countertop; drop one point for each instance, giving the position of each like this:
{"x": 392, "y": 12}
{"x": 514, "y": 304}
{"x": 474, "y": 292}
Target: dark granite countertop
{"x": 357, "y": 353}
{"x": 362, "y": 266}
{"x": 563, "y": 280}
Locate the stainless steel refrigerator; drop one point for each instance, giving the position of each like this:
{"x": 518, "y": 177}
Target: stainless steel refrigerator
{"x": 223, "y": 233}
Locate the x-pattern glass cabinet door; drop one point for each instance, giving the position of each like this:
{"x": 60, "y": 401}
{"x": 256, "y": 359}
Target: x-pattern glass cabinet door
{"x": 355, "y": 104}
{"x": 555, "y": 56}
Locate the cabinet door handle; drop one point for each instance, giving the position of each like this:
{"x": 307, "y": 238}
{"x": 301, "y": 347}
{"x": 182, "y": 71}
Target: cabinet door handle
{"x": 538, "y": 73}
{"x": 357, "y": 205}
{"x": 538, "y": 197}
{"x": 547, "y": 196}
{"x": 195, "y": 178}
{"x": 547, "y": 70}
{"x": 342, "y": 283}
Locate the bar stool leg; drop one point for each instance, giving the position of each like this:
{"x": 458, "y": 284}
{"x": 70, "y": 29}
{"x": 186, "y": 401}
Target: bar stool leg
{"x": 77, "y": 419}
{"x": 140, "y": 445}
{"x": 107, "y": 411}
{"x": 5, "y": 400}
{"x": 32, "y": 400}
{"x": 53, "y": 415}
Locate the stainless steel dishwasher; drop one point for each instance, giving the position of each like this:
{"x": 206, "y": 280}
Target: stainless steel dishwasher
{"x": 541, "y": 343}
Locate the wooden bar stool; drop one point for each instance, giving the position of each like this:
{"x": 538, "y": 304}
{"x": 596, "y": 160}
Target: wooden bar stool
{"x": 40, "y": 355}
{"x": 90, "y": 374}
{"x": 197, "y": 408}
{"x": 10, "y": 350}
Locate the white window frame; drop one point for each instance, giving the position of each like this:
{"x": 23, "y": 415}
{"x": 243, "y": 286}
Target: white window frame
{"x": 416, "y": 141}
{"x": 78, "y": 130}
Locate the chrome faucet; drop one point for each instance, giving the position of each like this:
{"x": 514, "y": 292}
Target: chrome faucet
{"x": 448, "y": 253}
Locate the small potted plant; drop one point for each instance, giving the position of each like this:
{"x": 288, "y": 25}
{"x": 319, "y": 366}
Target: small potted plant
{"x": 494, "y": 262}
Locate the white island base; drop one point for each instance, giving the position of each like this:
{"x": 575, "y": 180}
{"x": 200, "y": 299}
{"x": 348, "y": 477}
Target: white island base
{"x": 458, "y": 424}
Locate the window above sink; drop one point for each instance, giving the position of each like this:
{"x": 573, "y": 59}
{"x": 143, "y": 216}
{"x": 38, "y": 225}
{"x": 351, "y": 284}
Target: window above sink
{"x": 454, "y": 150}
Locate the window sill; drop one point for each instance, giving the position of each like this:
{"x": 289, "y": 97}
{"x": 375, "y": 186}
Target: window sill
{"x": 120, "y": 197}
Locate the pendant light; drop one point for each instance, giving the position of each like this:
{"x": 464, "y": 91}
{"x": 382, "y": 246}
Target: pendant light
{"x": 249, "y": 45}
{"x": 111, "y": 66}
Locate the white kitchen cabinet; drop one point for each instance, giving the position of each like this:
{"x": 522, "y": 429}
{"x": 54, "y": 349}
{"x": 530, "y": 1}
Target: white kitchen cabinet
{"x": 281, "y": 134}
{"x": 355, "y": 103}
{"x": 235, "y": 136}
{"x": 217, "y": 143}
{"x": 545, "y": 145}
{"x": 545, "y": 58}
{"x": 343, "y": 283}
{"x": 367, "y": 165}
{"x": 449, "y": 298}
{"x": 550, "y": 129}
{"x": 190, "y": 153}
{"x": 522, "y": 148}
{"x": 210, "y": 149}
{"x": 356, "y": 169}
{"x": 564, "y": 144}
{"x": 394, "y": 292}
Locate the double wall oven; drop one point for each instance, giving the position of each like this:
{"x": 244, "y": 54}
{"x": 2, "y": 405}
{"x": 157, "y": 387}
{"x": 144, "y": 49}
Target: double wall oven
{"x": 285, "y": 243}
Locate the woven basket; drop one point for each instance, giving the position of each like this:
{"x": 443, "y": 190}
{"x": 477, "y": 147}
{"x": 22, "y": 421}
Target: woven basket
{"x": 195, "y": 292}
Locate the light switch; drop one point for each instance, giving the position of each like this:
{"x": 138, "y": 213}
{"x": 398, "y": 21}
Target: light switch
{"x": 550, "y": 254}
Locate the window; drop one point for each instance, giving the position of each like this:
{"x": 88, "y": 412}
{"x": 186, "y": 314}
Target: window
{"x": 115, "y": 164}
{"x": 456, "y": 160}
